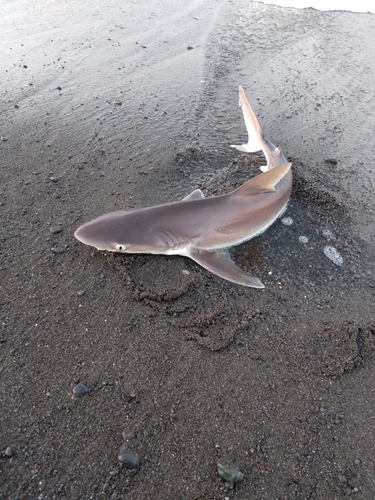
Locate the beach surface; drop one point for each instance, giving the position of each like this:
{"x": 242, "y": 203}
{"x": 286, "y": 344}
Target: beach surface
{"x": 113, "y": 105}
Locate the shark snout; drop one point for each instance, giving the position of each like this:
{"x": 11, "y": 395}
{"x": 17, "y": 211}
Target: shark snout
{"x": 86, "y": 236}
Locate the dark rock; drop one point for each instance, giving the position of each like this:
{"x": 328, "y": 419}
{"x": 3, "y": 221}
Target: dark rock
{"x": 331, "y": 160}
{"x": 8, "y": 452}
{"x": 130, "y": 460}
{"x": 80, "y": 389}
{"x": 230, "y": 474}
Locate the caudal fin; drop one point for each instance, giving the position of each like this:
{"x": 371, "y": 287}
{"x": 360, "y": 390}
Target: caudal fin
{"x": 257, "y": 141}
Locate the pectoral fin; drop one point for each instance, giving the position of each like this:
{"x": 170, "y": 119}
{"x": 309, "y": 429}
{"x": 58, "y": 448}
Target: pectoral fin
{"x": 220, "y": 263}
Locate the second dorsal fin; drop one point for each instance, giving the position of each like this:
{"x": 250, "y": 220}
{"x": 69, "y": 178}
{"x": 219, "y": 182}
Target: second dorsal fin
{"x": 194, "y": 195}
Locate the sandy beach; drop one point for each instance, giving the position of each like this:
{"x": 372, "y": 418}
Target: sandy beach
{"x": 114, "y": 105}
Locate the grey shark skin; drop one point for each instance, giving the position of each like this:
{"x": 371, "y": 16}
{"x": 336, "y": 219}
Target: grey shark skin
{"x": 203, "y": 228}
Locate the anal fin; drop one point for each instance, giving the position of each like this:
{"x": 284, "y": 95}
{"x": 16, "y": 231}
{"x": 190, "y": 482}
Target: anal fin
{"x": 219, "y": 262}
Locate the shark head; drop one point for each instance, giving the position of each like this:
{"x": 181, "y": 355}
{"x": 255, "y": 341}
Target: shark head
{"x": 125, "y": 231}
{"x": 103, "y": 233}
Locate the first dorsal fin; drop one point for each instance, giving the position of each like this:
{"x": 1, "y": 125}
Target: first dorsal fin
{"x": 263, "y": 183}
{"x": 194, "y": 195}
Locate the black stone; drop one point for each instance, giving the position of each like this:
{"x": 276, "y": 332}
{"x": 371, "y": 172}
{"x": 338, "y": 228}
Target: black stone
{"x": 130, "y": 460}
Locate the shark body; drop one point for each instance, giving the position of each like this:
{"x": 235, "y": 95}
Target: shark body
{"x": 203, "y": 228}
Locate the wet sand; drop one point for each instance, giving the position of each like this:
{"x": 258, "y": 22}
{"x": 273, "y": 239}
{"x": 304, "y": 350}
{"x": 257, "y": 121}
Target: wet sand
{"x": 105, "y": 107}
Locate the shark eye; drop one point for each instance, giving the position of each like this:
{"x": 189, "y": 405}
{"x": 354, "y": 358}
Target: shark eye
{"x": 120, "y": 248}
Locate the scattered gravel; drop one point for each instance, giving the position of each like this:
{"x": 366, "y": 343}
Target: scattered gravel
{"x": 328, "y": 234}
{"x": 128, "y": 434}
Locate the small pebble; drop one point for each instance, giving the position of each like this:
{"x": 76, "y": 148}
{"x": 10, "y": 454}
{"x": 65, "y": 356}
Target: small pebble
{"x": 126, "y": 397}
{"x": 58, "y": 87}
{"x": 332, "y": 160}
{"x": 53, "y": 179}
{"x": 128, "y": 434}
{"x": 80, "y": 389}
{"x": 287, "y": 221}
{"x": 327, "y": 233}
{"x": 189, "y": 47}
{"x": 8, "y": 452}
{"x": 16, "y": 106}
{"x": 80, "y": 293}
{"x": 106, "y": 488}
{"x": 3, "y": 139}
{"x": 57, "y": 250}
{"x": 230, "y": 474}
{"x": 303, "y": 239}
{"x": 118, "y": 103}
{"x": 55, "y": 229}
{"x": 130, "y": 460}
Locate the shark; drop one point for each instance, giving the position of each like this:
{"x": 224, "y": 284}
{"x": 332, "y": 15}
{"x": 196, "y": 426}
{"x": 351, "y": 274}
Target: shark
{"x": 204, "y": 228}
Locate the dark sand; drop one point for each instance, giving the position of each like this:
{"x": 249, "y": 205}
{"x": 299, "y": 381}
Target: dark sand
{"x": 104, "y": 107}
